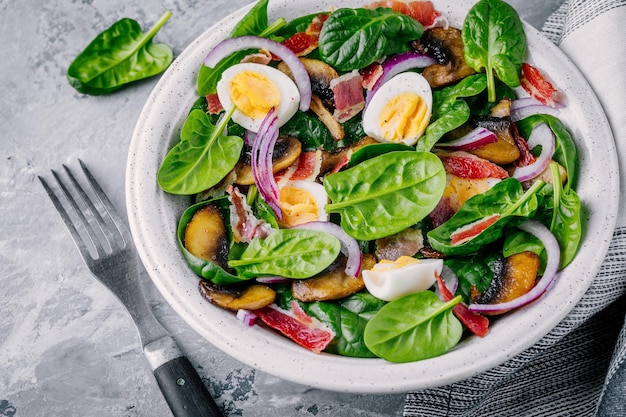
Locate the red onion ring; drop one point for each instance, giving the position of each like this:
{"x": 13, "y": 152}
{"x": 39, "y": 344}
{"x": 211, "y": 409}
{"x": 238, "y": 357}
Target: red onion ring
{"x": 528, "y": 106}
{"x": 262, "y": 152}
{"x": 349, "y": 245}
{"x": 552, "y": 266}
{"x": 474, "y": 139}
{"x": 247, "y": 317}
{"x": 300, "y": 74}
{"x": 397, "y": 64}
{"x": 541, "y": 135}
{"x": 450, "y": 279}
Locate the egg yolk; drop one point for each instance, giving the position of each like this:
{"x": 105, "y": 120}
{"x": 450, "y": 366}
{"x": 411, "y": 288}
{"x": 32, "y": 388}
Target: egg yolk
{"x": 298, "y": 206}
{"x": 254, "y": 94}
{"x": 403, "y": 117}
{"x": 385, "y": 265}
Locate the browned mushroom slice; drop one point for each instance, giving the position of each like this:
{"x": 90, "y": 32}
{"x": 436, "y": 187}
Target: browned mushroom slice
{"x": 235, "y": 298}
{"x": 330, "y": 159}
{"x": 205, "y": 236}
{"x": 406, "y": 243}
{"x": 286, "y": 152}
{"x": 326, "y": 117}
{"x": 446, "y": 46}
{"x": 321, "y": 75}
{"x": 332, "y": 284}
{"x": 504, "y": 150}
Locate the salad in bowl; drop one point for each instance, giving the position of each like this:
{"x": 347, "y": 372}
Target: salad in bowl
{"x": 387, "y": 180}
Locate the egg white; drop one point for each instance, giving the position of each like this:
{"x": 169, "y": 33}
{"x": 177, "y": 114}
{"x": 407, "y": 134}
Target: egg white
{"x": 313, "y": 190}
{"x": 406, "y": 82}
{"x": 391, "y": 280}
{"x": 289, "y": 94}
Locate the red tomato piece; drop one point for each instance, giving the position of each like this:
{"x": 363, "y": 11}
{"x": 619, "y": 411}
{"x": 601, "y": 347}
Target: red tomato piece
{"x": 307, "y": 336}
{"x": 538, "y": 87}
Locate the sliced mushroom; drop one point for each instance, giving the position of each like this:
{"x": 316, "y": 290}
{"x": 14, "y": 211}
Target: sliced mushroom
{"x": 321, "y": 75}
{"x": 406, "y": 243}
{"x": 514, "y": 277}
{"x": 446, "y": 46}
{"x": 504, "y": 150}
{"x": 333, "y": 126}
{"x": 286, "y": 152}
{"x": 205, "y": 236}
{"x": 330, "y": 159}
{"x": 235, "y": 298}
{"x": 332, "y": 284}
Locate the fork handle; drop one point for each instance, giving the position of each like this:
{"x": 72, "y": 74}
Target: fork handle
{"x": 180, "y": 384}
{"x": 184, "y": 391}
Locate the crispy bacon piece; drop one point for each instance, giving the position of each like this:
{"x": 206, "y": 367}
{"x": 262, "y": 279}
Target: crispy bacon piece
{"x": 244, "y": 224}
{"x": 472, "y": 230}
{"x": 466, "y": 165}
{"x": 316, "y": 25}
{"x": 214, "y": 105}
{"x": 371, "y": 74}
{"x": 422, "y": 11}
{"x": 476, "y": 323}
{"x": 262, "y": 57}
{"x": 348, "y": 93}
{"x": 442, "y": 212}
{"x": 301, "y": 43}
{"x": 307, "y": 167}
{"x": 307, "y": 335}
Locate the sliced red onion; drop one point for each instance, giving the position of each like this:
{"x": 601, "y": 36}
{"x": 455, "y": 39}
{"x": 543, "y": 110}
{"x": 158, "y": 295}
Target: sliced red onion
{"x": 247, "y": 317}
{"x": 474, "y": 139}
{"x": 552, "y": 266}
{"x": 528, "y": 106}
{"x": 450, "y": 280}
{"x": 349, "y": 245}
{"x": 262, "y": 152}
{"x": 541, "y": 135}
{"x": 272, "y": 280}
{"x": 300, "y": 74}
{"x": 397, "y": 64}
{"x": 249, "y": 137}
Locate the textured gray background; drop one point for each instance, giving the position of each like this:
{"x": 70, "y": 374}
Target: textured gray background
{"x": 67, "y": 348}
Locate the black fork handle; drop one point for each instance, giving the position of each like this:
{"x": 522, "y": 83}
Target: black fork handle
{"x": 184, "y": 390}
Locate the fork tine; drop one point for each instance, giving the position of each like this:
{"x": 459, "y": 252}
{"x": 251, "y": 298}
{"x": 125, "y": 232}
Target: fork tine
{"x": 117, "y": 220}
{"x": 69, "y": 224}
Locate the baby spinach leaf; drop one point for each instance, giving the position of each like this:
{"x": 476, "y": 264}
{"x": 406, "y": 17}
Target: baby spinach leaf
{"x": 375, "y": 149}
{"x": 474, "y": 271}
{"x": 449, "y": 110}
{"x": 414, "y": 327}
{"x": 494, "y": 41}
{"x": 347, "y": 318}
{"x": 202, "y": 158}
{"x": 386, "y": 194}
{"x": 354, "y": 38}
{"x": 253, "y": 23}
{"x": 291, "y": 253}
{"x": 204, "y": 268}
{"x": 506, "y": 199}
{"x": 119, "y": 55}
{"x": 565, "y": 152}
{"x": 313, "y": 134}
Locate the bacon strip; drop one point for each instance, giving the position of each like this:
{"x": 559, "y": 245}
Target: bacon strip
{"x": 214, "y": 105}
{"x": 243, "y": 222}
{"x": 348, "y": 93}
{"x": 476, "y": 323}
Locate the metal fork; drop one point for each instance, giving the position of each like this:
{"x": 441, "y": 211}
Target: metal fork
{"x": 107, "y": 249}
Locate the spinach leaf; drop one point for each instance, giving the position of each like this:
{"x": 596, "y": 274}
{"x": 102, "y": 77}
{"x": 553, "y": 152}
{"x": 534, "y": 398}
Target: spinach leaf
{"x": 348, "y": 318}
{"x": 414, "y": 327}
{"x": 202, "y": 158}
{"x": 386, "y": 194}
{"x": 204, "y": 268}
{"x": 313, "y": 134}
{"x": 565, "y": 152}
{"x": 354, "y": 38}
{"x": 449, "y": 110}
{"x": 253, "y": 23}
{"x": 119, "y": 55}
{"x": 290, "y": 253}
{"x": 494, "y": 41}
{"x": 375, "y": 149}
{"x": 474, "y": 271}
{"x": 506, "y": 199}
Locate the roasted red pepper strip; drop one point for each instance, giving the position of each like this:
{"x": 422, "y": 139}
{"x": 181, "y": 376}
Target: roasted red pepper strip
{"x": 477, "y": 324}
{"x": 312, "y": 338}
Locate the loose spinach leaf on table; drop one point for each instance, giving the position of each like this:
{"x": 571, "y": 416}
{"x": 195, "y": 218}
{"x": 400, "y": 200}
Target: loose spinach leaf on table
{"x": 255, "y": 22}
{"x": 494, "y": 41}
{"x": 355, "y": 38}
{"x": 202, "y": 158}
{"x": 347, "y": 318}
{"x": 386, "y": 194}
{"x": 119, "y": 55}
{"x": 506, "y": 199}
{"x": 291, "y": 253}
{"x": 414, "y": 327}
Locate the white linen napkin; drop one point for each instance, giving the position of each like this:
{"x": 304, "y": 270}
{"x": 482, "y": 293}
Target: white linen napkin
{"x": 579, "y": 368}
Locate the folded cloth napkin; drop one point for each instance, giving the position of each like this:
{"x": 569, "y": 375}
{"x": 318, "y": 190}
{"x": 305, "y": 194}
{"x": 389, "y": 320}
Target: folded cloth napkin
{"x": 579, "y": 368}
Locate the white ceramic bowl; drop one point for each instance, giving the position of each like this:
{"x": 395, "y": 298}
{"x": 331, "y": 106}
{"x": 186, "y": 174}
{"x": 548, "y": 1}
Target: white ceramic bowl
{"x": 153, "y": 217}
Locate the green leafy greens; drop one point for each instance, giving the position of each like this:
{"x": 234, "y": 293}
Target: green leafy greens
{"x": 119, "y": 55}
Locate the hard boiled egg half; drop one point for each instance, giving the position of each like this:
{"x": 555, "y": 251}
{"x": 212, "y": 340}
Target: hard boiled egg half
{"x": 399, "y": 110}
{"x": 389, "y": 280}
{"x": 254, "y": 89}
{"x": 302, "y": 201}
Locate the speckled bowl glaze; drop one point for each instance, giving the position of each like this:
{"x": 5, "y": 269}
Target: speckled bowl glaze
{"x": 153, "y": 216}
